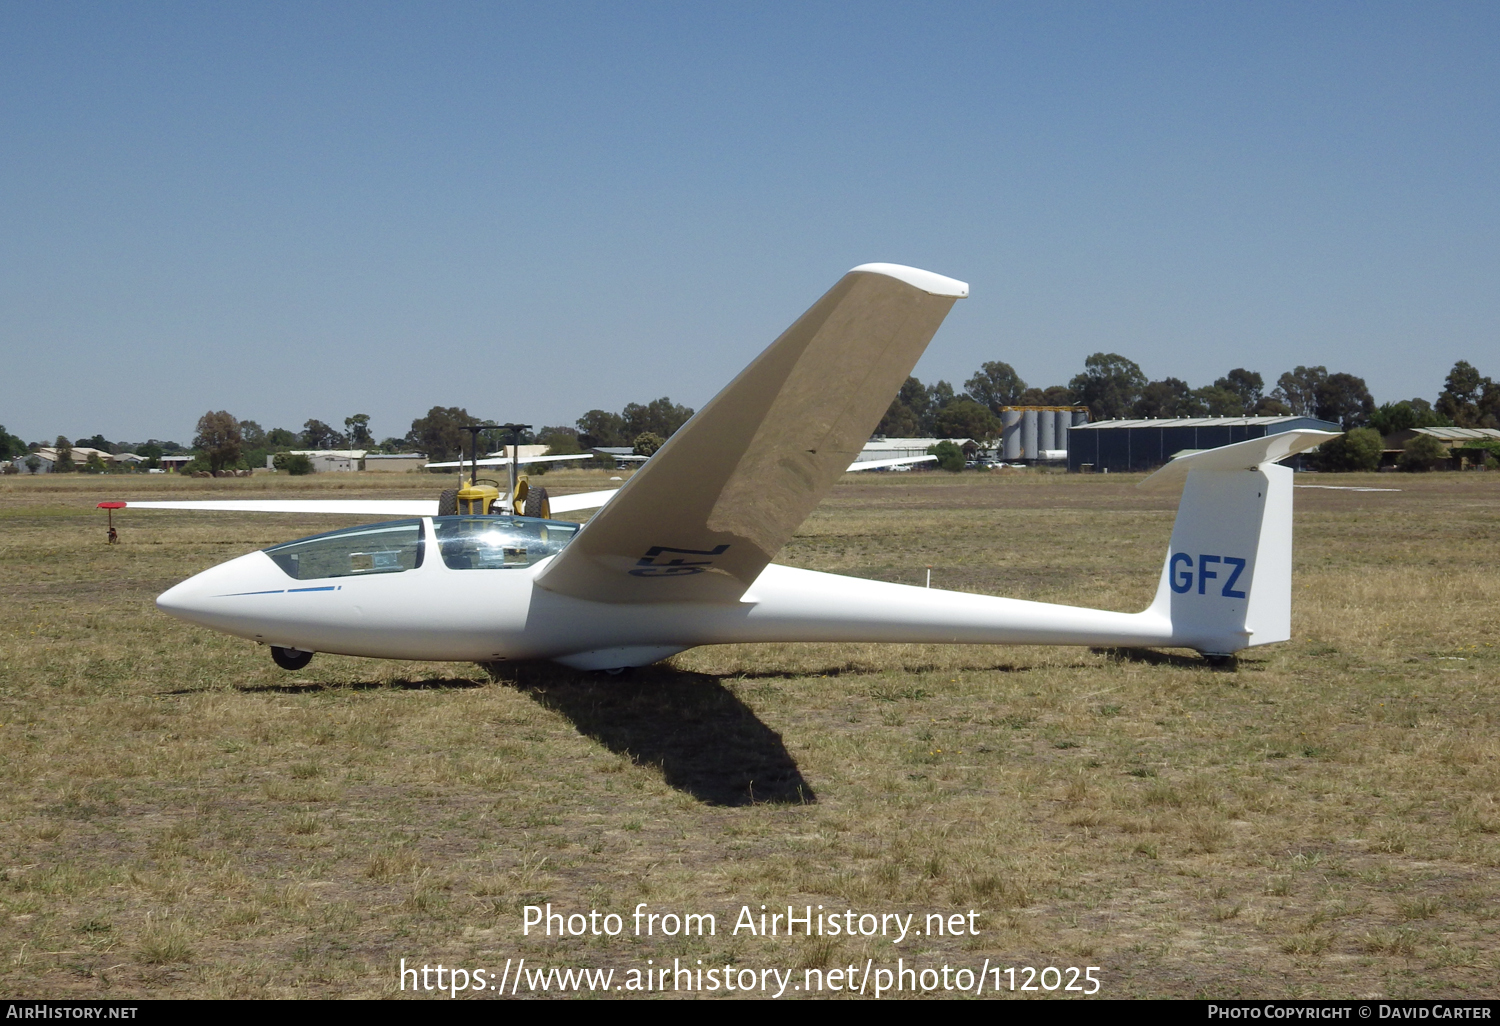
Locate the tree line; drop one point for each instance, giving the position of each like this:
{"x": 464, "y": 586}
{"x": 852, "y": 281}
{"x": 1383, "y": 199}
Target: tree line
{"x": 1110, "y": 386}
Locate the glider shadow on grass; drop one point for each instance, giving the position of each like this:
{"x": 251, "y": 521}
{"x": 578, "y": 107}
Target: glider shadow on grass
{"x": 705, "y": 741}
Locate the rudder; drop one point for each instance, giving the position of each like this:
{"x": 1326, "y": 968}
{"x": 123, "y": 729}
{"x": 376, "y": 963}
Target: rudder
{"x": 1227, "y": 581}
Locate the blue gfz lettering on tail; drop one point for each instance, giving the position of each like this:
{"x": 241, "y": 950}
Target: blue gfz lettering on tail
{"x": 1182, "y": 576}
{"x": 647, "y": 566}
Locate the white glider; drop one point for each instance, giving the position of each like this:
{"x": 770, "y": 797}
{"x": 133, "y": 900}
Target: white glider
{"x": 681, "y": 555}
{"x": 575, "y": 503}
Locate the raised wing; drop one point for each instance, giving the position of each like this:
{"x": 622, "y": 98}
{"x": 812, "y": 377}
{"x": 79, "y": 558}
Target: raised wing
{"x": 704, "y": 516}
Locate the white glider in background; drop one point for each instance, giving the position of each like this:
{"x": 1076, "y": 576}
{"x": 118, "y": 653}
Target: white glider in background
{"x": 575, "y": 503}
{"x": 681, "y": 555}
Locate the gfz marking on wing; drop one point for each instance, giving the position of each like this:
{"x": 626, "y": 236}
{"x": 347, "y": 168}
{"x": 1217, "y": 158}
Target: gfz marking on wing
{"x": 647, "y": 565}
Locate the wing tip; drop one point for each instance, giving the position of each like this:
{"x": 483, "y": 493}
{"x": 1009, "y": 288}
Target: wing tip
{"x": 928, "y": 281}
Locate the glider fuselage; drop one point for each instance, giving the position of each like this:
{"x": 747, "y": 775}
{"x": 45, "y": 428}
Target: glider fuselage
{"x": 434, "y": 610}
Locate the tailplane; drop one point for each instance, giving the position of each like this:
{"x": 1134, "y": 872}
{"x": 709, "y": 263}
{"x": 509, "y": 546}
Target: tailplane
{"x": 1227, "y": 581}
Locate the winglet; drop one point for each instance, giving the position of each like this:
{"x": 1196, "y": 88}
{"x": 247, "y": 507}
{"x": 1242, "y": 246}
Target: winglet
{"x": 1246, "y": 455}
{"x": 928, "y": 282}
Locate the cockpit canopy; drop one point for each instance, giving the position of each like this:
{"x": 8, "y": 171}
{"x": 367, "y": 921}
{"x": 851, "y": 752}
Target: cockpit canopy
{"x": 499, "y": 543}
{"x": 353, "y": 552}
{"x": 465, "y": 543}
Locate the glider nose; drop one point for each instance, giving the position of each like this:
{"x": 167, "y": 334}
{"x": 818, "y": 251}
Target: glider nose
{"x": 188, "y": 600}
{"x": 202, "y": 598}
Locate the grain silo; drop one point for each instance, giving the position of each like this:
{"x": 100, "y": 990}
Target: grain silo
{"x": 1010, "y": 435}
{"x": 1028, "y": 435}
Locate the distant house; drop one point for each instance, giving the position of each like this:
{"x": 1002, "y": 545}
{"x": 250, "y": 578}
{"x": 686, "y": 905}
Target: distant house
{"x": 326, "y": 460}
{"x": 1454, "y": 439}
{"x": 1450, "y": 437}
{"x": 48, "y": 456}
{"x": 390, "y": 462}
{"x": 882, "y": 448}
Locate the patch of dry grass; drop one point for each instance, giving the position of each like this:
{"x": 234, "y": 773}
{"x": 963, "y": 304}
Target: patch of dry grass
{"x": 183, "y": 819}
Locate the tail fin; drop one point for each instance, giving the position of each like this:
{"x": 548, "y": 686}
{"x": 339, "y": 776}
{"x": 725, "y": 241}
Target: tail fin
{"x": 1227, "y": 582}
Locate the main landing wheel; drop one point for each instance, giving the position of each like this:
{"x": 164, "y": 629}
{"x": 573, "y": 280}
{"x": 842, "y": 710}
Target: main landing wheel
{"x": 290, "y": 658}
{"x": 537, "y": 504}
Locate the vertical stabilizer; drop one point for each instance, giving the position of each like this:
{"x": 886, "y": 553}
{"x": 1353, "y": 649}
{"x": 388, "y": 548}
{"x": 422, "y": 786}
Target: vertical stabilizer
{"x": 1227, "y": 581}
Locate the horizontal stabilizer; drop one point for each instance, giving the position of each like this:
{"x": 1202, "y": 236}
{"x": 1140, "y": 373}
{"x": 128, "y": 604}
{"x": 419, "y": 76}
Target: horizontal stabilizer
{"x": 1246, "y": 455}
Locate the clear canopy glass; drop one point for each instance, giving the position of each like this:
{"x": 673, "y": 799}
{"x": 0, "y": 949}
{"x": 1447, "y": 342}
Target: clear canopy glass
{"x": 386, "y": 548}
{"x": 499, "y": 543}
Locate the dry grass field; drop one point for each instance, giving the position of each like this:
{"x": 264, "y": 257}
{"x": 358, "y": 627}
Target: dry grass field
{"x": 180, "y": 818}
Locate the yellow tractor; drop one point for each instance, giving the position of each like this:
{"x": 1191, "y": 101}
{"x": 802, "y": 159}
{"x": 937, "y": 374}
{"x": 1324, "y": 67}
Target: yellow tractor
{"x": 483, "y": 496}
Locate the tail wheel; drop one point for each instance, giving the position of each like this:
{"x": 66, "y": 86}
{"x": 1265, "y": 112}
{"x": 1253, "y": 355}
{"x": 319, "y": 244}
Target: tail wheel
{"x": 448, "y": 503}
{"x": 537, "y": 504}
{"x": 290, "y": 658}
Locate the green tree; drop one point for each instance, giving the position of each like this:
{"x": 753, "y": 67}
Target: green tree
{"x": 560, "y": 441}
{"x": 941, "y": 395}
{"x": 33, "y": 463}
{"x": 317, "y": 435}
{"x": 1344, "y": 399}
{"x": 1247, "y": 384}
{"x": 1405, "y": 415}
{"x": 598, "y": 428}
{"x": 966, "y": 418}
{"x": 949, "y": 455}
{"x": 218, "y": 440}
{"x": 64, "y": 462}
{"x": 1358, "y": 449}
{"x": 1489, "y": 405}
{"x": 1169, "y": 397}
{"x": 281, "y": 439}
{"x": 295, "y": 464}
{"x": 1298, "y": 389}
{"x": 1109, "y": 385}
{"x": 659, "y": 417}
{"x": 357, "y": 428}
{"x": 252, "y": 435}
{"x": 1459, "y": 400}
{"x": 1422, "y": 452}
{"x": 904, "y": 417}
{"x": 441, "y": 433}
{"x": 10, "y": 445}
{"x": 97, "y": 442}
{"x": 1216, "y": 401}
{"x": 995, "y": 385}
{"x": 646, "y": 443}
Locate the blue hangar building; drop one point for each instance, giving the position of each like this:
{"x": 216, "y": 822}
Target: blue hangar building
{"x": 1119, "y": 446}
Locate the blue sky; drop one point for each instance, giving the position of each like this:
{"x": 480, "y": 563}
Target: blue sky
{"x": 314, "y": 210}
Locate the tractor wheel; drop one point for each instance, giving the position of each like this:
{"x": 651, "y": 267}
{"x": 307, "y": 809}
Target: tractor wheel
{"x": 448, "y": 503}
{"x": 537, "y": 504}
{"x": 290, "y": 658}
